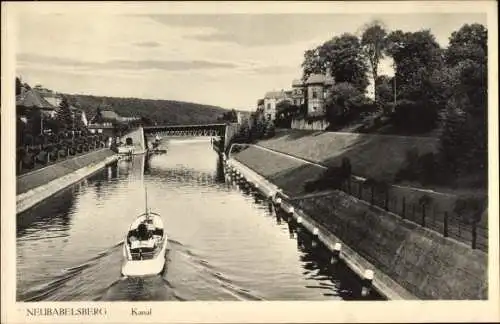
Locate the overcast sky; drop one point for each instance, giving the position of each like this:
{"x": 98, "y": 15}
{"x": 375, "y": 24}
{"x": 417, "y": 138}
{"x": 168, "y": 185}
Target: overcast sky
{"x": 229, "y": 60}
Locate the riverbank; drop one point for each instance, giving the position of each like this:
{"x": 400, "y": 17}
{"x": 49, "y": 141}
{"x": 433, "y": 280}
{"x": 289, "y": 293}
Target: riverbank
{"x": 415, "y": 259}
{"x": 38, "y": 185}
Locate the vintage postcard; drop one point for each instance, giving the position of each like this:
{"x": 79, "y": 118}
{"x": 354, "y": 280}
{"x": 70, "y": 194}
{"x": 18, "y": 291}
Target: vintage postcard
{"x": 259, "y": 162}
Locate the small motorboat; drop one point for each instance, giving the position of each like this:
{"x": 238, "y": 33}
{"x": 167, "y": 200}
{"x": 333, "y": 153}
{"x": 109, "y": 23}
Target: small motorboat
{"x": 145, "y": 246}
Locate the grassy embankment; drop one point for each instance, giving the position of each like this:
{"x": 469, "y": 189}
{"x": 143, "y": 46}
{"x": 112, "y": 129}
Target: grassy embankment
{"x": 371, "y": 156}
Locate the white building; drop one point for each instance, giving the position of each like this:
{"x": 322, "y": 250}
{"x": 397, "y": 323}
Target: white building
{"x": 271, "y": 99}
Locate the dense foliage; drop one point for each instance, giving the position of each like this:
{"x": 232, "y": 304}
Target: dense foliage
{"x": 163, "y": 112}
{"x": 433, "y": 88}
{"x": 343, "y": 57}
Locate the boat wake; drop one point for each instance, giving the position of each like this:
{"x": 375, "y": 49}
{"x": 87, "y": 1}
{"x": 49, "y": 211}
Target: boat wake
{"x": 99, "y": 279}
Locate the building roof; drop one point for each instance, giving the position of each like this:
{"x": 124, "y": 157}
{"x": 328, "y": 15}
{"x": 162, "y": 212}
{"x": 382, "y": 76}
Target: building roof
{"x": 297, "y": 83}
{"x": 109, "y": 114}
{"x": 319, "y": 79}
{"x": 31, "y": 98}
{"x": 274, "y": 95}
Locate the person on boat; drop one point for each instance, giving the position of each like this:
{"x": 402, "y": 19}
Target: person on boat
{"x": 143, "y": 233}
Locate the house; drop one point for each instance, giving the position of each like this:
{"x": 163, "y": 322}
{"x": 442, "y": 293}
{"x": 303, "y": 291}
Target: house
{"x": 318, "y": 88}
{"x": 31, "y": 99}
{"x": 106, "y": 125}
{"x": 108, "y": 119}
{"x": 298, "y": 92}
{"x": 271, "y": 99}
{"x": 50, "y": 96}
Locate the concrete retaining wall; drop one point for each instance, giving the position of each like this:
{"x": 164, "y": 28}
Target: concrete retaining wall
{"x": 52, "y": 172}
{"x": 423, "y": 262}
{"x": 382, "y": 283}
{"x": 35, "y": 195}
{"x": 409, "y": 261}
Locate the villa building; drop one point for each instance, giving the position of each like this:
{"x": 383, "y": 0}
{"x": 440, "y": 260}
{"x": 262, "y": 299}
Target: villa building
{"x": 298, "y": 92}
{"x": 271, "y": 99}
{"x": 318, "y": 87}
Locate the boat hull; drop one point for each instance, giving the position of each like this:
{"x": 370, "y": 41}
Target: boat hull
{"x": 143, "y": 268}
{"x": 146, "y": 267}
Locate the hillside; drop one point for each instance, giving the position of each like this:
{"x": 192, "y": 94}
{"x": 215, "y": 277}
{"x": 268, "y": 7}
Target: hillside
{"x": 161, "y": 111}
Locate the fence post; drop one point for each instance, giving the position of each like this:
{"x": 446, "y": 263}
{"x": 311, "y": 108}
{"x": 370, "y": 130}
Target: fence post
{"x": 474, "y": 234}
{"x": 423, "y": 215}
{"x": 387, "y": 199}
{"x": 404, "y": 207}
{"x": 445, "y": 227}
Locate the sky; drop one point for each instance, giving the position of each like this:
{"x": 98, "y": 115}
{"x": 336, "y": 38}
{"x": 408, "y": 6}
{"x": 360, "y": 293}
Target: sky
{"x": 227, "y": 60}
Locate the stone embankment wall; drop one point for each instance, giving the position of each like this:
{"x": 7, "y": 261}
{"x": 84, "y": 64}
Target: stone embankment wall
{"x": 33, "y": 187}
{"x": 420, "y": 261}
{"x": 309, "y": 125}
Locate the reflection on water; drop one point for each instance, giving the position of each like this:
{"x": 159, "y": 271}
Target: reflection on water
{"x": 225, "y": 244}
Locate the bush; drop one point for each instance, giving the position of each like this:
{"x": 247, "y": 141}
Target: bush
{"x": 415, "y": 116}
{"x": 332, "y": 178}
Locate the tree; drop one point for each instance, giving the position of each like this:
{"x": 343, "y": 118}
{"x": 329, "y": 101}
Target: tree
{"x": 384, "y": 91}
{"x": 464, "y": 139}
{"x": 229, "y": 116}
{"x": 64, "y": 115}
{"x": 343, "y": 55}
{"x": 344, "y": 103}
{"x": 469, "y": 42}
{"x": 19, "y": 86}
{"x": 98, "y": 116}
{"x": 34, "y": 117}
{"x": 417, "y": 55}
{"x": 374, "y": 43}
{"x": 20, "y": 131}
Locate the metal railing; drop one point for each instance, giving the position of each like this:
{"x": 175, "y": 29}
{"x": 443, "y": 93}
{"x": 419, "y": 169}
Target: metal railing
{"x": 431, "y": 215}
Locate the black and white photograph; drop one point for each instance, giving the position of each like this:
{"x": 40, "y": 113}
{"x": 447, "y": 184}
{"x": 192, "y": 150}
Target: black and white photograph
{"x": 165, "y": 154}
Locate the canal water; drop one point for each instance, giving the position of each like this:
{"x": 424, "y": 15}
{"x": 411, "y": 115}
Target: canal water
{"x": 224, "y": 243}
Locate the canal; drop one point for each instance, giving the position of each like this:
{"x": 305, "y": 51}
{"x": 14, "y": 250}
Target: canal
{"x": 224, "y": 243}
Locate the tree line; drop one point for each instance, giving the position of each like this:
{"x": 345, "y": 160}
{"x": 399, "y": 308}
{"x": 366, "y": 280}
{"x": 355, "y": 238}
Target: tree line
{"x": 432, "y": 87}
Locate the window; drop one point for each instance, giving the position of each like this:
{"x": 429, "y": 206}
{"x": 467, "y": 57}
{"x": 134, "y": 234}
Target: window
{"x": 314, "y": 94}
{"x": 268, "y": 106}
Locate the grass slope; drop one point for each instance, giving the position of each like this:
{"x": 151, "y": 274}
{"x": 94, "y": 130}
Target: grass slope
{"x": 371, "y": 155}
{"x": 161, "y": 111}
